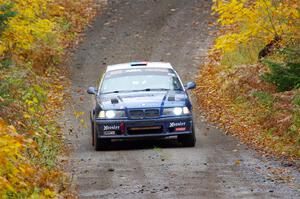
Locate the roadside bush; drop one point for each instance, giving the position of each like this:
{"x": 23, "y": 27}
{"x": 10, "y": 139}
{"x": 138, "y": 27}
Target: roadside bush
{"x": 285, "y": 72}
{"x": 286, "y": 76}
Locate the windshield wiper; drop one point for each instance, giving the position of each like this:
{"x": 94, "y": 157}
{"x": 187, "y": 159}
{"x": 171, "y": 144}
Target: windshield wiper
{"x": 160, "y": 89}
{"x": 111, "y": 92}
{"x": 151, "y": 89}
{"x": 140, "y": 90}
{"x": 163, "y": 89}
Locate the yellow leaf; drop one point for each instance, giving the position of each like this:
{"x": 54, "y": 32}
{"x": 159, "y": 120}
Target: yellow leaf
{"x": 26, "y": 116}
{"x": 237, "y": 162}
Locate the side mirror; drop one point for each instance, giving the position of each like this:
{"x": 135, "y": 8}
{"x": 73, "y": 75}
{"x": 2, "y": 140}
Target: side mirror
{"x": 91, "y": 90}
{"x": 190, "y": 85}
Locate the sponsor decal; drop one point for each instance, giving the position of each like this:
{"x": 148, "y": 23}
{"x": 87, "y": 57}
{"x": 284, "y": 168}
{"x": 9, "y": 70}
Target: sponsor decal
{"x": 176, "y": 124}
{"x": 111, "y": 127}
{"x": 109, "y": 132}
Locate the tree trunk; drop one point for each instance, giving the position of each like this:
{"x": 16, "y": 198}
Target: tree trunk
{"x": 269, "y": 48}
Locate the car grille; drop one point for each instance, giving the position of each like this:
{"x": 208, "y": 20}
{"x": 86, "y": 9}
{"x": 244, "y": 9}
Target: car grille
{"x": 144, "y": 113}
{"x": 151, "y": 113}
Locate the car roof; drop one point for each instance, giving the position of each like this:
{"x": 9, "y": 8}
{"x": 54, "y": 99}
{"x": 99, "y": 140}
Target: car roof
{"x": 131, "y": 65}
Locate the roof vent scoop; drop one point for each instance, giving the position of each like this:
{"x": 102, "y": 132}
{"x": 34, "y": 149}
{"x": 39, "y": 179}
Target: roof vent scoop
{"x": 138, "y": 64}
{"x": 114, "y": 101}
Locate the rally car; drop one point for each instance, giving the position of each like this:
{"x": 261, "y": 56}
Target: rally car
{"x": 141, "y": 100}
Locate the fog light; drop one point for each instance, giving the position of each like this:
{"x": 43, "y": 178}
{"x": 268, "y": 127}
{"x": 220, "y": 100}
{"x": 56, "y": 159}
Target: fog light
{"x": 180, "y": 128}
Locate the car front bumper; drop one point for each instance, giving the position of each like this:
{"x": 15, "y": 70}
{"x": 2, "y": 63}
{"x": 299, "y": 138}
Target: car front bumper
{"x": 159, "y": 127}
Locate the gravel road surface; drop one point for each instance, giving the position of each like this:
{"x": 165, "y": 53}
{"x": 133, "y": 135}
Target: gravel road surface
{"x": 174, "y": 31}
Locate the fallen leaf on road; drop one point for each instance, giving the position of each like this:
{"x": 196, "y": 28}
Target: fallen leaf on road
{"x": 237, "y": 162}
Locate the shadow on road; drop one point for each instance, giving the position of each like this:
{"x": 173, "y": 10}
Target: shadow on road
{"x": 117, "y": 145}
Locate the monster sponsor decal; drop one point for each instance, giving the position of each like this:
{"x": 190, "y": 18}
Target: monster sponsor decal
{"x": 176, "y": 124}
{"x": 111, "y": 127}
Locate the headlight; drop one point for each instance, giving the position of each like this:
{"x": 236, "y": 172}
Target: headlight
{"x": 185, "y": 110}
{"x": 176, "y": 111}
{"x": 109, "y": 114}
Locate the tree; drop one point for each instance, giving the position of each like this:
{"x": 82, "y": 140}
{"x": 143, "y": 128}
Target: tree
{"x": 267, "y": 22}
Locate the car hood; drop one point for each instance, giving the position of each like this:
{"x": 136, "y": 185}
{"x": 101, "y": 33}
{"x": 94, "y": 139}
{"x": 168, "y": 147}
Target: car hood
{"x": 147, "y": 99}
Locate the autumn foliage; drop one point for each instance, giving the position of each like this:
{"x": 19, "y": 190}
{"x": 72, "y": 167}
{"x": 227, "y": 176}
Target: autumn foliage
{"x": 258, "y": 21}
{"x": 34, "y": 35}
{"x": 254, "y": 97}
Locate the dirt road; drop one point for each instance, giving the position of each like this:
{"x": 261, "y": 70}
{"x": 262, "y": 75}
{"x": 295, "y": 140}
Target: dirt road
{"x": 175, "y": 31}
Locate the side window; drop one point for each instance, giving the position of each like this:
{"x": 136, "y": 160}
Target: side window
{"x": 177, "y": 85}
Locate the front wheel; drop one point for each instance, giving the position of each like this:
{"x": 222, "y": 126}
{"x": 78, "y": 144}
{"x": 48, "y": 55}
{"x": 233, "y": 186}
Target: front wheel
{"x": 188, "y": 140}
{"x": 100, "y": 143}
{"x": 93, "y": 133}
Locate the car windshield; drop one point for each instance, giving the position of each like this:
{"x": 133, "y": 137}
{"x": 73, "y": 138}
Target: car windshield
{"x": 145, "y": 79}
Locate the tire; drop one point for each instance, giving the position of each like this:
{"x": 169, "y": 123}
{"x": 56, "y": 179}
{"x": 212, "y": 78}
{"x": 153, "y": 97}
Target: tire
{"x": 188, "y": 140}
{"x": 100, "y": 144}
{"x": 93, "y": 133}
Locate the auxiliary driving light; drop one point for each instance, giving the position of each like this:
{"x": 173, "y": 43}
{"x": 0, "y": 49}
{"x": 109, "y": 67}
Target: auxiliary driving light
{"x": 180, "y": 128}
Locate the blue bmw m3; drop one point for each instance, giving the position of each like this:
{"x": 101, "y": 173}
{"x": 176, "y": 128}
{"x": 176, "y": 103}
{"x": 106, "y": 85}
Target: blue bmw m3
{"x": 141, "y": 100}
